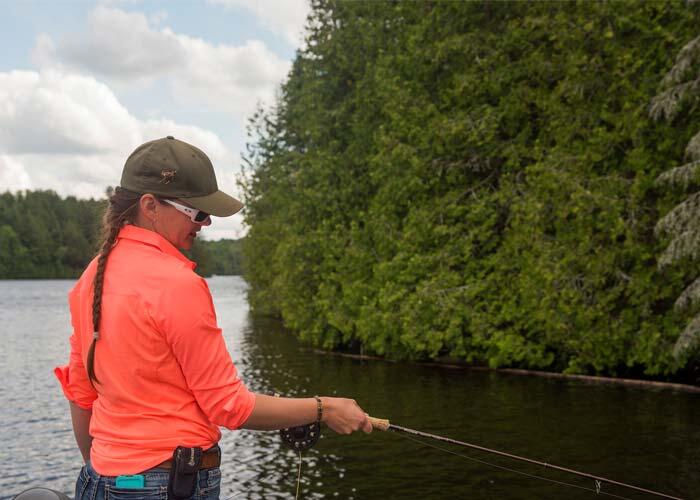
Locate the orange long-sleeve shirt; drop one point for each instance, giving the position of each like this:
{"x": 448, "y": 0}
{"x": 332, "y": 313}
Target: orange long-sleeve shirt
{"x": 166, "y": 377}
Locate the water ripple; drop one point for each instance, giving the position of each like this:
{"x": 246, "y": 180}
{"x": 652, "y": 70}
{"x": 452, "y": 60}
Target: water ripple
{"x": 649, "y": 438}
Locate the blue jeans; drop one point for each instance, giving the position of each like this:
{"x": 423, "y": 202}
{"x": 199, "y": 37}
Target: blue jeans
{"x": 92, "y": 486}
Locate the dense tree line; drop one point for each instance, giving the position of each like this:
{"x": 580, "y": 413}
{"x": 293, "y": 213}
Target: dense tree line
{"x": 476, "y": 180}
{"x": 43, "y": 235}
{"x": 222, "y": 257}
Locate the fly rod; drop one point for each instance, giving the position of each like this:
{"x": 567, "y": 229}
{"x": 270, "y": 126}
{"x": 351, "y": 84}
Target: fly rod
{"x": 384, "y": 425}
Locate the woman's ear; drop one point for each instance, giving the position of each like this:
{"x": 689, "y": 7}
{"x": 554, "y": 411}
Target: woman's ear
{"x": 148, "y": 207}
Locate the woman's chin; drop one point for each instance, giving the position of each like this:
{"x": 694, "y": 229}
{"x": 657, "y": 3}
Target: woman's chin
{"x": 187, "y": 243}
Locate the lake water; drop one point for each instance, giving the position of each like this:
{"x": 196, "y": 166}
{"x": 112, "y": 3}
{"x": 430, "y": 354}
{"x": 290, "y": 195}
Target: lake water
{"x": 646, "y": 437}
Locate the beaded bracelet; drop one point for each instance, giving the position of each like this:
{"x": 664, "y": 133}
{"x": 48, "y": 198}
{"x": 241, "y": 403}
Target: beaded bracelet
{"x": 319, "y": 409}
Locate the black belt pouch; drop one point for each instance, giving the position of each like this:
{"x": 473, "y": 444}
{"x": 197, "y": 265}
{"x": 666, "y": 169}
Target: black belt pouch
{"x": 183, "y": 474}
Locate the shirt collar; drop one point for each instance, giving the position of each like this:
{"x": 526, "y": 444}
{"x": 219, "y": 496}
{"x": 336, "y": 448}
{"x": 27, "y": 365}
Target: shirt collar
{"x": 148, "y": 237}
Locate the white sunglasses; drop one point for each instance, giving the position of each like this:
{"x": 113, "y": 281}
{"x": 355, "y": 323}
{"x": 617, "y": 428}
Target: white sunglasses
{"x": 197, "y": 216}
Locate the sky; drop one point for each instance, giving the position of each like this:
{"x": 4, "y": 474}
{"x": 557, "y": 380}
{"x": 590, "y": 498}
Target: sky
{"x": 83, "y": 83}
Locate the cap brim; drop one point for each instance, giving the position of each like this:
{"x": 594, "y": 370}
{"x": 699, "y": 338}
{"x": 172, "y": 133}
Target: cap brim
{"x": 218, "y": 203}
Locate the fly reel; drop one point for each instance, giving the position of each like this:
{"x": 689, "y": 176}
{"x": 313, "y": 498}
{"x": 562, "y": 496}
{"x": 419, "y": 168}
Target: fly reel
{"x": 301, "y": 438}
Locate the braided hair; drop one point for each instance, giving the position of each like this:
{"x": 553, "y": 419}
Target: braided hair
{"x": 123, "y": 205}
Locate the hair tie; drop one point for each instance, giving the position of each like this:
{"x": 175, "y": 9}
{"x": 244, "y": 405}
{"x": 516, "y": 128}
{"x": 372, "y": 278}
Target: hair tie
{"x": 95, "y": 335}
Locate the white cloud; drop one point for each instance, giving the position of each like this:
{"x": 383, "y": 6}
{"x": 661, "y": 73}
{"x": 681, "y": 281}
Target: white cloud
{"x": 69, "y": 133}
{"x": 281, "y": 16}
{"x": 117, "y": 44}
{"x": 13, "y": 176}
{"x": 123, "y": 46}
{"x": 55, "y": 113}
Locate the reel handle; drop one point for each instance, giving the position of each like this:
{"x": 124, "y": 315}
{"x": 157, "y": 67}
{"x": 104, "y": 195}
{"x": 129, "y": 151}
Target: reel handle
{"x": 380, "y": 424}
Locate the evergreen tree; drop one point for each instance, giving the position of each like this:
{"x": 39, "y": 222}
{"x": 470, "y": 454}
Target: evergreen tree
{"x": 681, "y": 94}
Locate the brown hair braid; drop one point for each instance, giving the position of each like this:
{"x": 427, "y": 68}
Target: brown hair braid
{"x": 122, "y": 208}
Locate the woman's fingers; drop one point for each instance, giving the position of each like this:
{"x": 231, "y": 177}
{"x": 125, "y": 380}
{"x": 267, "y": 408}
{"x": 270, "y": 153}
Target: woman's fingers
{"x": 345, "y": 416}
{"x": 367, "y": 426}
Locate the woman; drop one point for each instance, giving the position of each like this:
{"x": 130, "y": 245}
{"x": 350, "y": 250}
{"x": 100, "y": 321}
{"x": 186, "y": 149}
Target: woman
{"x": 149, "y": 372}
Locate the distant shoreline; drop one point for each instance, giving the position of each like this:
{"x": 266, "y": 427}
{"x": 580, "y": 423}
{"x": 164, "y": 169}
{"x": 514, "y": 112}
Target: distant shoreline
{"x": 630, "y": 382}
{"x": 76, "y": 277}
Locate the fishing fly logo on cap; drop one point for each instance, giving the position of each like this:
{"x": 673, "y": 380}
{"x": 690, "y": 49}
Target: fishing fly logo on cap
{"x": 167, "y": 176}
{"x": 172, "y": 168}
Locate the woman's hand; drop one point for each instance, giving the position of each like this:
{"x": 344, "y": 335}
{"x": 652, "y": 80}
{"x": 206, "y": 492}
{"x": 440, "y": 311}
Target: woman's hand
{"x": 344, "y": 416}
{"x": 81, "y": 429}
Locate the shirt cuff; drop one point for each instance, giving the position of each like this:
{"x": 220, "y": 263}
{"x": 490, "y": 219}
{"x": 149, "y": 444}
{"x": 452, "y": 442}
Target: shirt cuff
{"x": 63, "y": 375}
{"x": 239, "y": 409}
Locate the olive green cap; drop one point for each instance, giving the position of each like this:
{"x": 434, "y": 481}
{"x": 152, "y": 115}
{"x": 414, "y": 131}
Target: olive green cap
{"x": 172, "y": 168}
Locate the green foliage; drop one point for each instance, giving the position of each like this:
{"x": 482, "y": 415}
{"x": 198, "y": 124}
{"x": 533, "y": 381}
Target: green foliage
{"x": 680, "y": 92}
{"x": 222, "y": 257}
{"x": 472, "y": 180}
{"x": 45, "y": 236}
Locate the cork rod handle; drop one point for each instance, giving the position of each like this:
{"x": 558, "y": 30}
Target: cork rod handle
{"x": 380, "y": 424}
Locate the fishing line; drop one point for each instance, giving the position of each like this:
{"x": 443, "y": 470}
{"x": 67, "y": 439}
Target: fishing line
{"x": 597, "y": 490}
{"x": 252, "y": 459}
{"x": 385, "y": 425}
{"x": 299, "y": 476}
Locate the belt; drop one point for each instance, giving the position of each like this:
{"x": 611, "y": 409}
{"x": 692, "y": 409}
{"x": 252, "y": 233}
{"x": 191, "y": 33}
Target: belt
{"x": 210, "y": 458}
